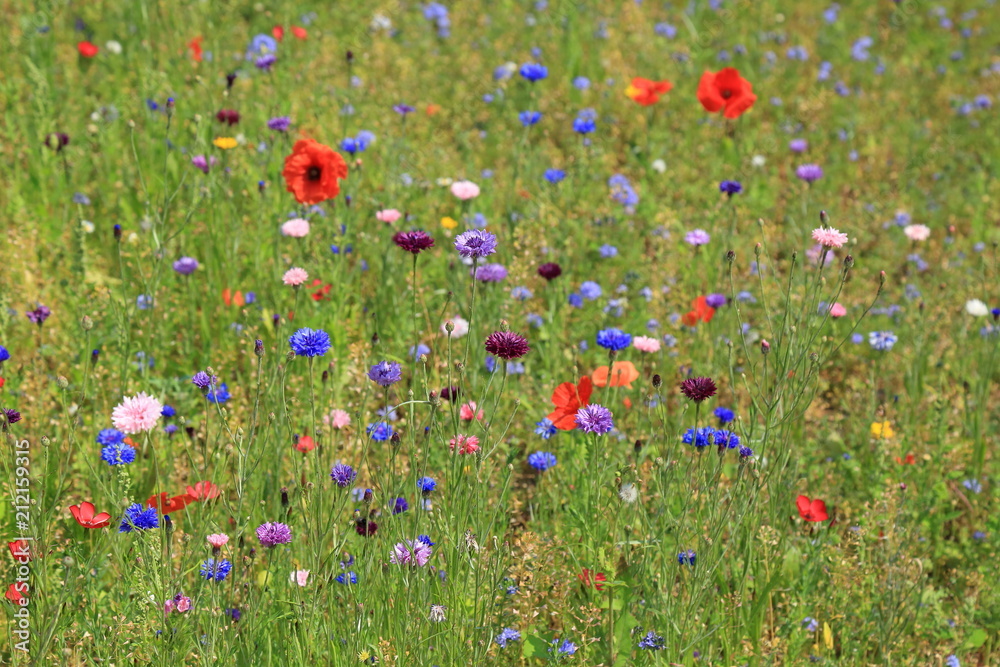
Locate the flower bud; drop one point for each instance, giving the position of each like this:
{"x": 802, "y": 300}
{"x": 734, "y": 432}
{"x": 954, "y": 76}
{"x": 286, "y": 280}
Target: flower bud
{"x": 87, "y": 323}
{"x": 730, "y": 256}
{"x": 849, "y": 262}
{"x": 657, "y": 380}
{"x": 823, "y": 217}
{"x": 765, "y": 347}
{"x": 258, "y": 347}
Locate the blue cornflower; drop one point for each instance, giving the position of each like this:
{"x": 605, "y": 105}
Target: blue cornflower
{"x": 700, "y": 438}
{"x": 882, "y": 340}
{"x": 581, "y": 83}
{"x": 168, "y": 411}
{"x": 575, "y": 300}
{"x": 400, "y": 505}
{"x": 665, "y": 30}
{"x": 218, "y": 394}
{"x": 118, "y": 454}
{"x": 565, "y": 648}
{"x": 506, "y": 636}
{"x": 385, "y": 373}
{"x": 420, "y": 349}
{"x": 534, "y": 320}
{"x": 607, "y": 251}
{"x": 545, "y": 428}
{"x": 379, "y": 431}
{"x": 652, "y": 642}
{"x": 426, "y": 484}
{"x": 348, "y": 145}
{"x": 731, "y": 187}
{"x": 529, "y": 118}
{"x": 859, "y": 49}
{"x": 745, "y": 452}
{"x": 554, "y": 175}
{"x": 521, "y": 293}
{"x": 342, "y": 475}
{"x": 952, "y": 661}
{"x": 80, "y": 198}
{"x": 590, "y": 290}
{"x": 309, "y": 342}
{"x": 138, "y": 518}
{"x": 686, "y": 557}
{"x": 584, "y": 125}
{"x": 425, "y": 539}
{"x": 364, "y": 139}
{"x": 727, "y": 439}
{"x": 110, "y": 436}
{"x": 211, "y": 569}
{"x": 542, "y": 461}
{"x": 973, "y": 485}
{"x": 346, "y": 578}
{"x": 613, "y": 339}
{"x": 261, "y": 45}
{"x": 144, "y": 302}
{"x": 534, "y": 72}
{"x": 724, "y": 415}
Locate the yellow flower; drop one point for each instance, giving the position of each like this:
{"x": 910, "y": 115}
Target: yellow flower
{"x": 225, "y": 143}
{"x": 364, "y": 656}
{"x": 448, "y": 223}
{"x": 882, "y": 430}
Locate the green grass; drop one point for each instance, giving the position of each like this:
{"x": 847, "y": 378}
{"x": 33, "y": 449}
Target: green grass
{"x": 904, "y": 570}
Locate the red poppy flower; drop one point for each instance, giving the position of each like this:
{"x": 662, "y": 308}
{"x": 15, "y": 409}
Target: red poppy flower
{"x": 591, "y": 578}
{"x": 169, "y": 505}
{"x": 300, "y": 33}
{"x": 203, "y": 491}
{"x": 2, "y": 382}
{"x": 811, "y": 510}
{"x": 700, "y": 312}
{"x": 84, "y": 515}
{"x": 312, "y": 172}
{"x": 726, "y": 90}
{"x": 233, "y": 298}
{"x": 647, "y": 92}
{"x": 623, "y": 374}
{"x": 14, "y": 593}
{"x": 323, "y": 290}
{"x": 278, "y": 32}
{"x": 20, "y": 550}
{"x": 305, "y": 444}
{"x": 568, "y": 399}
{"x": 195, "y": 46}
{"x": 910, "y": 459}
{"x": 87, "y": 50}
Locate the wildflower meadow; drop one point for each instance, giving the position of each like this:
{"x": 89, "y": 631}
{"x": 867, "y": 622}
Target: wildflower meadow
{"x": 515, "y": 332}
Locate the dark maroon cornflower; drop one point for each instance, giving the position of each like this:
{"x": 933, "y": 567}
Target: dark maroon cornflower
{"x": 550, "y": 270}
{"x": 13, "y": 416}
{"x": 414, "y": 241}
{"x": 57, "y": 140}
{"x": 507, "y": 345}
{"x": 229, "y": 116}
{"x": 39, "y": 314}
{"x": 366, "y": 528}
{"x": 230, "y": 80}
{"x": 449, "y": 393}
{"x": 698, "y": 389}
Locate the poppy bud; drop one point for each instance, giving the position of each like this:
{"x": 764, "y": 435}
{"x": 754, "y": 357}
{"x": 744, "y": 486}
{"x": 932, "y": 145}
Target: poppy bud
{"x": 657, "y": 381}
{"x": 730, "y": 256}
{"x": 258, "y": 347}
{"x": 118, "y": 232}
{"x": 765, "y": 347}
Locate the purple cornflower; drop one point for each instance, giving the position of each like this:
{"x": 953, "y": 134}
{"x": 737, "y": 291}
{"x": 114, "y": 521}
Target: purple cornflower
{"x": 731, "y": 188}
{"x": 385, "y": 373}
{"x": 403, "y": 109}
{"x": 273, "y": 534}
{"x": 810, "y": 173}
{"x": 715, "y": 300}
{"x": 798, "y": 145}
{"x": 507, "y": 345}
{"x": 203, "y": 380}
{"x": 489, "y": 273}
{"x": 279, "y": 123}
{"x": 411, "y": 552}
{"x": 697, "y": 237}
{"x": 342, "y": 475}
{"x": 476, "y": 243}
{"x": 202, "y": 163}
{"x": 39, "y": 314}
{"x": 186, "y": 265}
{"x": 415, "y": 241}
{"x": 13, "y": 416}
{"x": 400, "y": 505}
{"x": 595, "y": 419}
{"x": 266, "y": 61}
{"x": 686, "y": 558}
{"x": 506, "y": 636}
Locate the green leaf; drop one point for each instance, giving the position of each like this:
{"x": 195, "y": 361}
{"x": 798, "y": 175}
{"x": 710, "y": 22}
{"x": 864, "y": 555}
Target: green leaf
{"x": 976, "y": 639}
{"x": 534, "y": 646}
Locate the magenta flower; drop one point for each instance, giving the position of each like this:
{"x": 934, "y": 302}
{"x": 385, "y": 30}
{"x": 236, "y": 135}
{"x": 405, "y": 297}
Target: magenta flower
{"x": 411, "y": 552}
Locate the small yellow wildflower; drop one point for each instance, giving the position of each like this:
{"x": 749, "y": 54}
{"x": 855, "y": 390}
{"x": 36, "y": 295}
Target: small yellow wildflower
{"x": 448, "y": 223}
{"x": 882, "y": 430}
{"x": 225, "y": 143}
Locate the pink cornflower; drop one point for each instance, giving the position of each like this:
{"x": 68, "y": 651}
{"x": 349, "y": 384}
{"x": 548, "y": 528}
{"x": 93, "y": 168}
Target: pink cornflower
{"x": 217, "y": 540}
{"x": 829, "y": 237}
{"x": 179, "y": 603}
{"x": 837, "y": 310}
{"x": 411, "y": 552}
{"x": 917, "y": 232}
{"x": 296, "y": 228}
{"x": 295, "y": 277}
{"x": 337, "y": 419}
{"x": 465, "y": 444}
{"x": 299, "y": 577}
{"x": 468, "y": 412}
{"x": 465, "y": 190}
{"x": 389, "y": 215}
{"x": 646, "y": 344}
{"x": 136, "y": 414}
